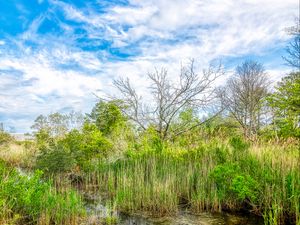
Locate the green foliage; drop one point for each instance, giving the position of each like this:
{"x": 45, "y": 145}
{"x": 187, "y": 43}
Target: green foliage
{"x": 220, "y": 154}
{"x": 234, "y": 178}
{"x": 220, "y": 125}
{"x": 87, "y": 145}
{"x": 77, "y": 148}
{"x": 232, "y": 182}
{"x": 152, "y": 140}
{"x": 55, "y": 159}
{"x": 55, "y": 124}
{"x": 245, "y": 187}
{"x": 35, "y": 199}
{"x": 285, "y": 102}
{"x": 107, "y": 116}
{"x": 223, "y": 175}
{"x": 43, "y": 139}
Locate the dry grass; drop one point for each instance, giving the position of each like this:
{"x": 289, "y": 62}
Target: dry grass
{"x": 18, "y": 154}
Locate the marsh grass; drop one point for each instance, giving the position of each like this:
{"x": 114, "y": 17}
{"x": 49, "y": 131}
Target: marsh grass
{"x": 232, "y": 176}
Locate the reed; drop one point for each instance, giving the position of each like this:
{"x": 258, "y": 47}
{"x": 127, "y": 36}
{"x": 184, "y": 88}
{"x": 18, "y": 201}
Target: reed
{"x": 262, "y": 179}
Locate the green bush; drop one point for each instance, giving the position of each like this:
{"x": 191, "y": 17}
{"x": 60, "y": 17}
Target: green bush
{"x": 107, "y": 116}
{"x": 35, "y": 199}
{"x": 56, "y": 159}
{"x": 245, "y": 187}
{"x": 77, "y": 148}
{"x": 87, "y": 145}
{"x": 232, "y": 182}
{"x": 223, "y": 175}
{"x": 221, "y": 154}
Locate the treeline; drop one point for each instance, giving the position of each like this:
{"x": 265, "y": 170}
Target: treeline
{"x": 248, "y": 104}
{"x": 243, "y": 107}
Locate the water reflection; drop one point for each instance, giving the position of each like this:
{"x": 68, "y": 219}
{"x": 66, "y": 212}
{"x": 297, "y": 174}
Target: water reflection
{"x": 99, "y": 212}
{"x": 188, "y": 219}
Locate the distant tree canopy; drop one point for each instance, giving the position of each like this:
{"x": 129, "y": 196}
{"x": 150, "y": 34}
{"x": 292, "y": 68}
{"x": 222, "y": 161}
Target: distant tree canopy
{"x": 57, "y": 124}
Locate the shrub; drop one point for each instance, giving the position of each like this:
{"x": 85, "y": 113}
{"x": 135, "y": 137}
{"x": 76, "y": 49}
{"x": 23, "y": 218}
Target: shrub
{"x": 56, "y": 159}
{"x": 77, "y": 148}
{"x": 35, "y": 200}
{"x": 245, "y": 187}
{"x": 232, "y": 182}
{"x": 223, "y": 176}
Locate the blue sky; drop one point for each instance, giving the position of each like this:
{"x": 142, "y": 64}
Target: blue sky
{"x": 55, "y": 54}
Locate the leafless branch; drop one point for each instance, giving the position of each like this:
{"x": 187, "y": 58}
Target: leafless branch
{"x": 169, "y": 98}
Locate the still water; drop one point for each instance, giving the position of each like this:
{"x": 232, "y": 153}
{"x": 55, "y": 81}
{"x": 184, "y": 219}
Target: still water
{"x": 99, "y": 212}
{"x": 188, "y": 219}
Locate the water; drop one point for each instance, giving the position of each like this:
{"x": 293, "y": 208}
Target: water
{"x": 99, "y": 212}
{"x": 189, "y": 219}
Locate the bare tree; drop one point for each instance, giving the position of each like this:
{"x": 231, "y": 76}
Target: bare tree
{"x": 293, "y": 49}
{"x": 169, "y": 98}
{"x": 243, "y": 96}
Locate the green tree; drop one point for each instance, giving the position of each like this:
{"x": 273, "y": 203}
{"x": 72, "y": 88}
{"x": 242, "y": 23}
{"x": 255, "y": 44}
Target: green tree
{"x": 58, "y": 123}
{"x": 107, "y": 116}
{"x": 87, "y": 144}
{"x": 285, "y": 102}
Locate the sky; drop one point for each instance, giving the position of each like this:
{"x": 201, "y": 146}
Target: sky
{"x": 56, "y": 55}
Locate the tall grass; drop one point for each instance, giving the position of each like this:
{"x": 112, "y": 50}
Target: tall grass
{"x": 211, "y": 177}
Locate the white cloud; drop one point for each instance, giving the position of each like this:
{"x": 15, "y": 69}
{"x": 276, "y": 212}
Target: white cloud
{"x": 41, "y": 88}
{"x": 213, "y": 28}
